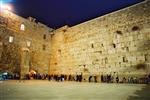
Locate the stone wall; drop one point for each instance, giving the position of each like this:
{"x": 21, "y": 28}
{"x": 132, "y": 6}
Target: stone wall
{"x": 117, "y": 43}
{"x": 28, "y": 35}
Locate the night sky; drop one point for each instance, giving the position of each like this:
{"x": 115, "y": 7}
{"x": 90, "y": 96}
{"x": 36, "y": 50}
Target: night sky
{"x": 57, "y": 13}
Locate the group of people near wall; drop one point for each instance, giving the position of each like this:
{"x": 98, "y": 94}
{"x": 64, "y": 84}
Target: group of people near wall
{"x": 81, "y": 78}
{"x": 55, "y": 77}
{"x": 36, "y": 76}
{"x": 91, "y": 78}
{"x": 124, "y": 79}
{"x": 6, "y": 76}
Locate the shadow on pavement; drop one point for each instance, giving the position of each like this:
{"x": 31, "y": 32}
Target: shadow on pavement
{"x": 143, "y": 94}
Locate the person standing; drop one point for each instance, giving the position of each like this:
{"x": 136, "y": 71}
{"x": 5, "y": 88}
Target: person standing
{"x": 117, "y": 79}
{"x": 102, "y": 78}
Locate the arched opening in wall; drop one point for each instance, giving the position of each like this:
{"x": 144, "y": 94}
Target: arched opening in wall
{"x": 135, "y": 28}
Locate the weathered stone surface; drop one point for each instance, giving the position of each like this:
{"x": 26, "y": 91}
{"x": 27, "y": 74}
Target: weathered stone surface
{"x": 116, "y": 42}
{"x": 34, "y": 39}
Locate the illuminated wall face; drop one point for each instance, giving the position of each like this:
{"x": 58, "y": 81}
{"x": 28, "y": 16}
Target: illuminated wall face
{"x": 117, "y": 42}
{"x": 18, "y": 33}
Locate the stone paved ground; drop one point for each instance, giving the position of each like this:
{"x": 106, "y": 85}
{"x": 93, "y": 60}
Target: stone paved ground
{"x": 45, "y": 90}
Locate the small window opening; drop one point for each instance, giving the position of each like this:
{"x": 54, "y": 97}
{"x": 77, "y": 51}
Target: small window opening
{"x": 22, "y": 27}
{"x": 11, "y": 39}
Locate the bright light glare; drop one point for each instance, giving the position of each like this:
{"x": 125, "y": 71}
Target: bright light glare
{"x": 1, "y": 4}
{"x": 6, "y": 7}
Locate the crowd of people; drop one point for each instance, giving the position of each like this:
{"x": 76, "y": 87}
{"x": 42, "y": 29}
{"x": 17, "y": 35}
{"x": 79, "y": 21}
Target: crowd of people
{"x": 81, "y": 78}
{"x": 130, "y": 79}
{"x": 60, "y": 77}
{"x": 91, "y": 78}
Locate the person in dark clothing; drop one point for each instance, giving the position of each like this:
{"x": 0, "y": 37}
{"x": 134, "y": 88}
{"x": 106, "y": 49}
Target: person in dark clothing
{"x": 77, "y": 78}
{"x": 69, "y": 79}
{"x": 65, "y": 77}
{"x": 149, "y": 78}
{"x": 117, "y": 79}
{"x": 102, "y": 78}
{"x": 80, "y": 78}
{"x": 27, "y": 76}
{"x": 90, "y": 78}
{"x": 109, "y": 78}
{"x": 124, "y": 80}
{"x": 49, "y": 77}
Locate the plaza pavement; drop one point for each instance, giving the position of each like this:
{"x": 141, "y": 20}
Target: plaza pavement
{"x": 45, "y": 90}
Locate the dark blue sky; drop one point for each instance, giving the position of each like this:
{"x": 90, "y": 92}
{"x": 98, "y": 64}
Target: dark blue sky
{"x": 57, "y": 13}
